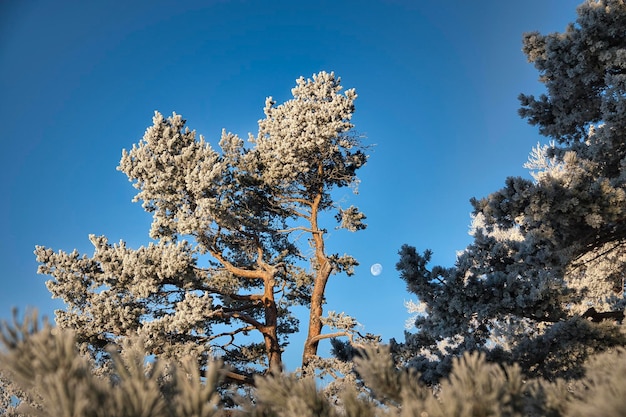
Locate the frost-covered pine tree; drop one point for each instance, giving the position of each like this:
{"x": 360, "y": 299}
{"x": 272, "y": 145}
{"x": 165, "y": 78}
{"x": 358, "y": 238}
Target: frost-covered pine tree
{"x": 543, "y": 281}
{"x": 305, "y": 149}
{"x": 224, "y": 267}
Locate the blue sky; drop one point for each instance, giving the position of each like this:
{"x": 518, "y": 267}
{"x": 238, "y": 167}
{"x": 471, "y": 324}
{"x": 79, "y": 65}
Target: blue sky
{"x": 437, "y": 83}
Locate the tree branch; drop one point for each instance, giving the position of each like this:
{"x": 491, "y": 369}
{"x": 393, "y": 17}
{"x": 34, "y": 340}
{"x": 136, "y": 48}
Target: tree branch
{"x": 598, "y": 317}
{"x": 245, "y": 297}
{"x": 243, "y": 317}
{"x": 293, "y": 229}
{"x": 328, "y": 336}
{"x": 240, "y": 378}
{"x": 576, "y": 265}
{"x": 240, "y": 272}
{"x": 232, "y": 334}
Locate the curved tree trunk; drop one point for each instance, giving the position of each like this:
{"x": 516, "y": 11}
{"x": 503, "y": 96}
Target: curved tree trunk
{"x": 322, "y": 275}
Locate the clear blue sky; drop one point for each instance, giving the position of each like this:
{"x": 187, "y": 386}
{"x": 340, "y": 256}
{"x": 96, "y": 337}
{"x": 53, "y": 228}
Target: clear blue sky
{"x": 437, "y": 83}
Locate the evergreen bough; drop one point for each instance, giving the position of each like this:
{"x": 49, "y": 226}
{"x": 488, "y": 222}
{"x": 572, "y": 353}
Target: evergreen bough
{"x": 47, "y": 371}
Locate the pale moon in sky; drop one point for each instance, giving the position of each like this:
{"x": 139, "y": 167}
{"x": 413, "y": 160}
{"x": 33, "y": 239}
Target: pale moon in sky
{"x": 376, "y": 269}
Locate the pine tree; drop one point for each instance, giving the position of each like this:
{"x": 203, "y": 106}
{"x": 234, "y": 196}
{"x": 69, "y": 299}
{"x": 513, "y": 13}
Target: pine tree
{"x": 543, "y": 281}
{"x": 224, "y": 262}
{"x": 305, "y": 149}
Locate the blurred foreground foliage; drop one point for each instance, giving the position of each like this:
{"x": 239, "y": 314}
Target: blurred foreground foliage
{"x": 48, "y": 377}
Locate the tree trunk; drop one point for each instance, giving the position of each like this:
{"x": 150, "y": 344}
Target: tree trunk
{"x": 324, "y": 269}
{"x": 270, "y": 332}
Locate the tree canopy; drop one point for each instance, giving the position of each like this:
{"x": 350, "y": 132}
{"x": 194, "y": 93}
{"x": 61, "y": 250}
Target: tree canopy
{"x": 224, "y": 261}
{"x": 547, "y": 253}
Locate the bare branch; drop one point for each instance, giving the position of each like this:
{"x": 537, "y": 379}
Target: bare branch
{"x": 231, "y": 334}
{"x": 329, "y": 336}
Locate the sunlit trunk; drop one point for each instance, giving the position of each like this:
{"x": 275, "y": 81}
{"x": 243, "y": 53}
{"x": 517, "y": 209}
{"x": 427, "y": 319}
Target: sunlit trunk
{"x": 322, "y": 274}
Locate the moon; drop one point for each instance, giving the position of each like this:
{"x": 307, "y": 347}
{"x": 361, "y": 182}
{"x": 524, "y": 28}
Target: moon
{"x": 376, "y": 269}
